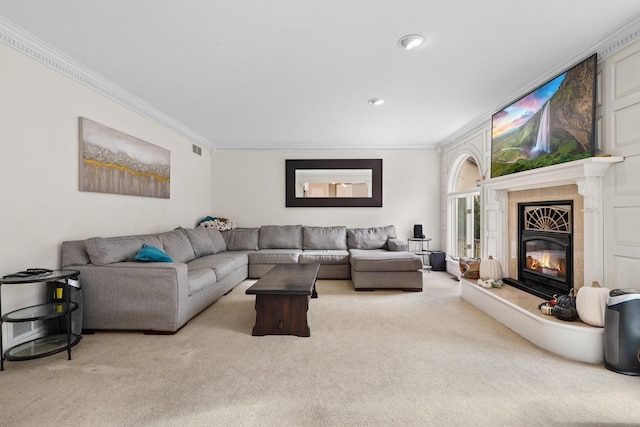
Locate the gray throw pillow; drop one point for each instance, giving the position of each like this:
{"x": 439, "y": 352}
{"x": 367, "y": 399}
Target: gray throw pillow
{"x": 397, "y": 245}
{"x": 370, "y": 238}
{"x": 200, "y": 241}
{"x": 177, "y": 245}
{"x": 74, "y": 252}
{"x": 280, "y": 237}
{"x": 219, "y": 245}
{"x": 241, "y": 239}
{"x": 324, "y": 238}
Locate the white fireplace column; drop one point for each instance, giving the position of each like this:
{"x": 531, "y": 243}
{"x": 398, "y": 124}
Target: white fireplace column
{"x": 588, "y": 174}
{"x": 591, "y": 188}
{"x": 496, "y": 232}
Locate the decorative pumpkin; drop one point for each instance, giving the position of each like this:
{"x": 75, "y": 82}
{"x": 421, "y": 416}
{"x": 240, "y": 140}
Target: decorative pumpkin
{"x": 490, "y": 269}
{"x": 566, "y": 313}
{"x": 545, "y": 308}
{"x": 591, "y": 303}
{"x": 566, "y": 300}
{"x": 490, "y": 283}
{"x": 485, "y": 283}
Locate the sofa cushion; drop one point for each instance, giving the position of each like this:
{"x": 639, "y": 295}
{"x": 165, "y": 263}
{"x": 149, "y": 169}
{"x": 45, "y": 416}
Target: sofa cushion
{"x": 241, "y": 239}
{"x": 397, "y": 245}
{"x": 177, "y": 245}
{"x": 222, "y": 266}
{"x": 370, "y": 238}
{"x": 200, "y": 241}
{"x": 382, "y": 260}
{"x": 331, "y": 256}
{"x": 148, "y": 253}
{"x": 324, "y": 237}
{"x": 239, "y": 258}
{"x": 197, "y": 280}
{"x": 280, "y": 237}
{"x": 275, "y": 256}
{"x": 219, "y": 244}
{"x": 74, "y": 252}
{"x": 103, "y": 251}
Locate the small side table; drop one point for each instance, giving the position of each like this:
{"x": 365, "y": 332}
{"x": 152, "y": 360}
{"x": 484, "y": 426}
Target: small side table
{"x": 420, "y": 246}
{"x": 60, "y": 309}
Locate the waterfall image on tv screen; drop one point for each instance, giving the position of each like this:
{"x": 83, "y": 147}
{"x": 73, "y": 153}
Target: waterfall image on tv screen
{"x": 552, "y": 124}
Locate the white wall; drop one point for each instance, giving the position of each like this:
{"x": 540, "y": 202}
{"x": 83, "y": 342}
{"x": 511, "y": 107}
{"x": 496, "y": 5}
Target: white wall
{"x": 40, "y": 202}
{"x": 249, "y": 188}
{"x": 619, "y": 131}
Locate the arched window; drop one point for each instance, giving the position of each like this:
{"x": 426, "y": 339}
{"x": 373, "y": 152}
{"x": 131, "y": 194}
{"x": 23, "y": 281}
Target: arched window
{"x": 468, "y": 175}
{"x": 464, "y": 208}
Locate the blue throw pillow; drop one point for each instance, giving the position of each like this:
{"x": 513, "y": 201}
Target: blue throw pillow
{"x": 150, "y": 253}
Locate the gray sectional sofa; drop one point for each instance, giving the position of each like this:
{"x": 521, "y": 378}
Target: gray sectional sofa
{"x": 122, "y": 294}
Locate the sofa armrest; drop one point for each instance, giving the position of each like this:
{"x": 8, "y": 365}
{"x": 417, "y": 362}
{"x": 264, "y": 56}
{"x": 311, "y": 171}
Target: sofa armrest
{"x": 397, "y": 245}
{"x": 135, "y": 296}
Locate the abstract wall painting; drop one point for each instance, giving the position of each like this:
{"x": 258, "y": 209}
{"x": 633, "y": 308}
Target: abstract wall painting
{"x": 117, "y": 163}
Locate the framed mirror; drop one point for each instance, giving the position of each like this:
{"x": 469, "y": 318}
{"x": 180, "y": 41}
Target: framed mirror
{"x": 334, "y": 183}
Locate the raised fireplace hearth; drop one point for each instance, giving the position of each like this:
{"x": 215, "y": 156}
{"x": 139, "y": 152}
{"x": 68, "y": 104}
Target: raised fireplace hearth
{"x": 573, "y": 340}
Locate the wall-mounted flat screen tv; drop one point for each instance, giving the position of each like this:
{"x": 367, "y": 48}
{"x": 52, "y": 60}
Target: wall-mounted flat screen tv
{"x": 553, "y": 124}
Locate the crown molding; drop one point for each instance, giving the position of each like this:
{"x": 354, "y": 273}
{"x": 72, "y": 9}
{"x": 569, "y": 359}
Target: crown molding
{"x": 610, "y": 43}
{"x": 28, "y": 44}
{"x": 619, "y": 38}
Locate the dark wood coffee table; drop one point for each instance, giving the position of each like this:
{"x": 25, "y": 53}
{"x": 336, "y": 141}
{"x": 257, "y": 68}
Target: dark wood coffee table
{"x": 282, "y": 299}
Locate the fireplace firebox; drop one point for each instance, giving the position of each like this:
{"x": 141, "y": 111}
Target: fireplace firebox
{"x": 545, "y": 252}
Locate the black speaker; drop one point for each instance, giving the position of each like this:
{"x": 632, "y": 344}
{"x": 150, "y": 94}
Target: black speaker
{"x": 417, "y": 231}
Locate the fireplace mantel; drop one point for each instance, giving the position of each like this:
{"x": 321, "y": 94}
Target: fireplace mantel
{"x": 588, "y": 174}
{"x": 551, "y": 176}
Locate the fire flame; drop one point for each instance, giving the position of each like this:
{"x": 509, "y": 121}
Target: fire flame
{"x": 544, "y": 262}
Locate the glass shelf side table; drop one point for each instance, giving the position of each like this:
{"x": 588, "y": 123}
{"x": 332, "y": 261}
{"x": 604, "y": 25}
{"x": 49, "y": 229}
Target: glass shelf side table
{"x": 420, "y": 247}
{"x": 59, "y": 309}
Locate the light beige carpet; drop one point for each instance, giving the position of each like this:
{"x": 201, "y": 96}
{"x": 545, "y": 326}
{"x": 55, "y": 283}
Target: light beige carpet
{"x": 374, "y": 358}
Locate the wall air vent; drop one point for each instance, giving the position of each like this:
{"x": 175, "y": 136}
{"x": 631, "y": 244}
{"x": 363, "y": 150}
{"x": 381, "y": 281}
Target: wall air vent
{"x": 17, "y": 333}
{"x": 197, "y": 150}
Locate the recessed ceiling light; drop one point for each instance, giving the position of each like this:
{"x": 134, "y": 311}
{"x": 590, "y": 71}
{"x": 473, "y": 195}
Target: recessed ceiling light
{"x": 376, "y": 101}
{"x": 411, "y": 41}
